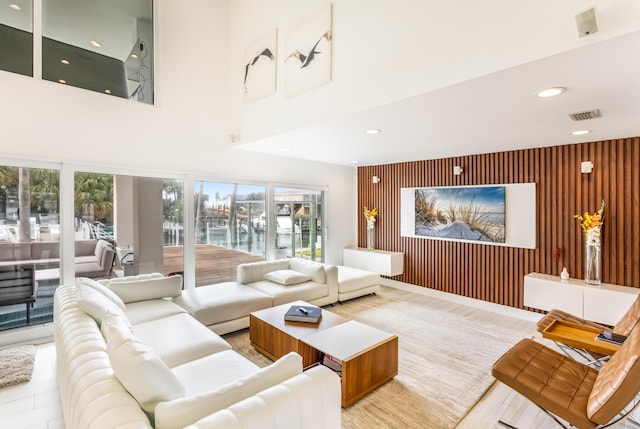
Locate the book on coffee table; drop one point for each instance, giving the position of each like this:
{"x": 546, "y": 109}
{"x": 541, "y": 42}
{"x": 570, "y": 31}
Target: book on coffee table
{"x": 303, "y": 313}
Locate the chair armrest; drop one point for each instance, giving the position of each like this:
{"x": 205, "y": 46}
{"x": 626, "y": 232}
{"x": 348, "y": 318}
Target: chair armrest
{"x": 312, "y": 398}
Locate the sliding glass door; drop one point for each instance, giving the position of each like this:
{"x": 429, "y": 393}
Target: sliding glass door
{"x": 298, "y": 223}
{"x": 29, "y": 244}
{"x": 229, "y": 229}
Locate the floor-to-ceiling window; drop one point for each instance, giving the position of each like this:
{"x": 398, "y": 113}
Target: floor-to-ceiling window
{"x": 134, "y": 223}
{"x": 298, "y": 223}
{"x": 29, "y": 244}
{"x": 229, "y": 228}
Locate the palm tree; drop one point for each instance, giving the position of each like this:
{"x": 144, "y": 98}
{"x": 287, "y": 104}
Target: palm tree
{"x": 8, "y": 180}
{"x": 94, "y": 197}
{"x": 45, "y": 187}
{"x": 199, "y": 212}
{"x": 24, "y": 205}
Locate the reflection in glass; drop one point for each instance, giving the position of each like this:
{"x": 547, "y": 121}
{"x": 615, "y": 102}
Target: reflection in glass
{"x": 139, "y": 217}
{"x": 298, "y": 223}
{"x": 16, "y": 36}
{"x": 230, "y": 229}
{"x": 101, "y": 46}
{"x": 29, "y": 245}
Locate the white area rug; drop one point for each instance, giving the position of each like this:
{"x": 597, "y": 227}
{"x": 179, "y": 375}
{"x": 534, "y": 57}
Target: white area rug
{"x": 16, "y": 365}
{"x": 445, "y": 356}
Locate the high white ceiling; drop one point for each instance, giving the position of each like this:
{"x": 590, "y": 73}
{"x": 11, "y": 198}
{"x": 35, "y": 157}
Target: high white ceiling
{"x": 496, "y": 112}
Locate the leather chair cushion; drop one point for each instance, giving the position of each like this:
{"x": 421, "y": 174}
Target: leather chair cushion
{"x": 286, "y": 277}
{"x": 146, "y": 289}
{"x": 629, "y": 320}
{"x": 313, "y": 269}
{"x": 108, "y": 293}
{"x": 556, "y": 314}
{"x": 96, "y": 304}
{"x": 138, "y": 368}
{"x": 203, "y": 402}
{"x": 549, "y": 379}
{"x": 179, "y": 338}
{"x": 222, "y": 302}
{"x": 618, "y": 381}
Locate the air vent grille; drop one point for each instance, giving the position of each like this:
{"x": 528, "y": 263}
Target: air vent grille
{"x": 585, "y": 116}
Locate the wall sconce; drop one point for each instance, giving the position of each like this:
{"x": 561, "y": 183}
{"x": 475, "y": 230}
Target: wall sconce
{"x": 375, "y": 180}
{"x": 457, "y": 170}
{"x": 586, "y": 167}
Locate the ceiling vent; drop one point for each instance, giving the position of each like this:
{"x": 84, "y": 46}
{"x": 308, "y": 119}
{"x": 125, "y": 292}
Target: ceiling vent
{"x": 585, "y": 116}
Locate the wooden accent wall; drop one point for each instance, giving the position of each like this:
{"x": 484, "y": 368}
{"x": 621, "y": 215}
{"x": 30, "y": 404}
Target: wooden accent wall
{"x": 495, "y": 273}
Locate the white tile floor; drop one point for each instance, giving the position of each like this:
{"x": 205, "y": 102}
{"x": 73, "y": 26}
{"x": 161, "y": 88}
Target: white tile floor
{"x": 36, "y": 404}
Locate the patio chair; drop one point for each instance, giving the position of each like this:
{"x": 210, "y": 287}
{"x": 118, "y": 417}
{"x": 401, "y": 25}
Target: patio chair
{"x": 577, "y": 393}
{"x": 18, "y": 286}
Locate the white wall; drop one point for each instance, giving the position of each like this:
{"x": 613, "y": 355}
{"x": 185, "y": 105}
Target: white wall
{"x": 386, "y": 51}
{"x": 185, "y": 132}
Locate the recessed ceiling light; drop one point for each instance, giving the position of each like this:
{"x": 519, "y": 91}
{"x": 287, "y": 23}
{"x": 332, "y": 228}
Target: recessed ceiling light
{"x": 107, "y": 91}
{"x": 65, "y": 62}
{"x": 580, "y": 132}
{"x": 15, "y": 7}
{"x": 286, "y": 149}
{"x": 355, "y": 161}
{"x": 373, "y": 131}
{"x": 62, "y": 81}
{"x": 550, "y": 92}
{"x": 134, "y": 56}
{"x": 96, "y": 44}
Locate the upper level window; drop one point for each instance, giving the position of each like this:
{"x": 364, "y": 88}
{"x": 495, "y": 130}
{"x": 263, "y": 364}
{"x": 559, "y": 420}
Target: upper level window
{"x": 101, "y": 46}
{"x": 16, "y": 37}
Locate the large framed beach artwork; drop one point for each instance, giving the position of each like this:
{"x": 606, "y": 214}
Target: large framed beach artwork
{"x": 462, "y": 213}
{"x": 498, "y": 215}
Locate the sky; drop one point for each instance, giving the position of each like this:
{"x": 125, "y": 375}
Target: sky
{"x": 491, "y": 197}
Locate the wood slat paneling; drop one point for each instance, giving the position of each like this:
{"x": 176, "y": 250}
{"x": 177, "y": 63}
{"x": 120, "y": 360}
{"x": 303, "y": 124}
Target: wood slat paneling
{"x": 494, "y": 273}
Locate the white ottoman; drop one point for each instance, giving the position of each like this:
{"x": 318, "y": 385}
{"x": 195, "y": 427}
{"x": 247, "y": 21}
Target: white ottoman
{"x": 223, "y": 307}
{"x": 354, "y": 282}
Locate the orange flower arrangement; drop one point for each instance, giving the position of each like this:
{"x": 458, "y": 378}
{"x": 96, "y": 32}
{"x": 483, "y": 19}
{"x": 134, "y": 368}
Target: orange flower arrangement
{"x": 370, "y": 215}
{"x": 591, "y": 225}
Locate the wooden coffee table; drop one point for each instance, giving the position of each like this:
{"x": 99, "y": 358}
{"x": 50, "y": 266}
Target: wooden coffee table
{"x": 274, "y": 338}
{"x": 369, "y": 356}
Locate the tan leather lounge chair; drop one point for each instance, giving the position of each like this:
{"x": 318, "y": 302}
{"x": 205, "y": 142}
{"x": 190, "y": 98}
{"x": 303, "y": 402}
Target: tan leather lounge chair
{"x": 577, "y": 393}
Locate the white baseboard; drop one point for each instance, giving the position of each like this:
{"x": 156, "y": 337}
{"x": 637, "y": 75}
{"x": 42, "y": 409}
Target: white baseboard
{"x": 27, "y": 335}
{"x": 463, "y": 300}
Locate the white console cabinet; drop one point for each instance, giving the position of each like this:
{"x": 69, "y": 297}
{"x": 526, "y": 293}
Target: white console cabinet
{"x": 379, "y": 261}
{"x": 604, "y": 304}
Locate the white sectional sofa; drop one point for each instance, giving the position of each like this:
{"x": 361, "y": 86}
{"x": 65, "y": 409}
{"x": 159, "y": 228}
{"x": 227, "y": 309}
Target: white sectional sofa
{"x": 129, "y": 357}
{"x": 225, "y": 307}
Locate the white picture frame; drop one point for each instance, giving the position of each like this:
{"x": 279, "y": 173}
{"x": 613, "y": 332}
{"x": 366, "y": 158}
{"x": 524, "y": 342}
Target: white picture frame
{"x": 260, "y": 67}
{"x": 520, "y": 216}
{"x": 308, "y": 53}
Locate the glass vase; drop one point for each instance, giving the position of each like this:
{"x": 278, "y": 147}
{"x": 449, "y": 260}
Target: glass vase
{"x": 592, "y": 263}
{"x": 370, "y": 243}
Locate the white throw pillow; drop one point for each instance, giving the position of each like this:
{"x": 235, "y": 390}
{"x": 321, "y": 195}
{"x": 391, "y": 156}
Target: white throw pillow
{"x": 96, "y": 304}
{"x": 187, "y": 410}
{"x": 145, "y": 376}
{"x": 108, "y": 293}
{"x": 313, "y": 269}
{"x": 286, "y": 277}
{"x": 144, "y": 290}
